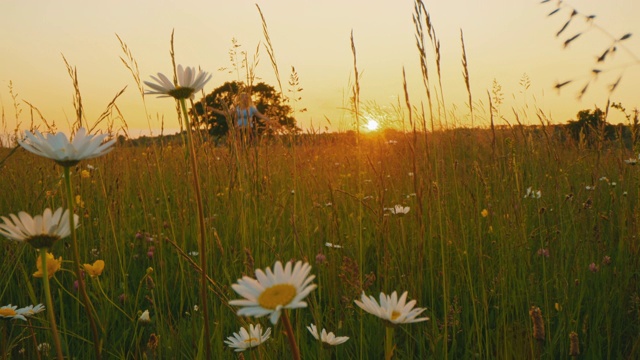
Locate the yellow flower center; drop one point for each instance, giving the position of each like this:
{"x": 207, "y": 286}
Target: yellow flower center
{"x": 7, "y": 312}
{"x": 42, "y": 241}
{"x": 277, "y": 295}
{"x": 181, "y": 92}
{"x": 394, "y": 315}
{"x": 250, "y": 341}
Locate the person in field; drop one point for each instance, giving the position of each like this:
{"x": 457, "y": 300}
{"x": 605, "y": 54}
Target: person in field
{"x": 244, "y": 113}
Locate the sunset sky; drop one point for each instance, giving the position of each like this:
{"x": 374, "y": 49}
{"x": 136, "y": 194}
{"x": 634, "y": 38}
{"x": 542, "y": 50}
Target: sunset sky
{"x": 505, "y": 39}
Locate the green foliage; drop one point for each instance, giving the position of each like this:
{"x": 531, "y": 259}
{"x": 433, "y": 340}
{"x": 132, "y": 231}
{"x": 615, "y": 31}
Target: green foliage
{"x": 267, "y": 100}
{"x": 592, "y": 126}
{"x": 477, "y": 272}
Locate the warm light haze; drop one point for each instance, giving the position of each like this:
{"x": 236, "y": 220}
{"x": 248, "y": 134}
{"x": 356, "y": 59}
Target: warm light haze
{"x": 505, "y": 40}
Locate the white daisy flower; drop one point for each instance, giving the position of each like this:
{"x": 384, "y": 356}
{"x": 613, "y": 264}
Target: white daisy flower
{"x": 632, "y": 161}
{"x": 44, "y": 348}
{"x": 31, "y": 310}
{"x": 39, "y": 231}
{"x": 528, "y": 192}
{"x": 57, "y": 146}
{"x": 9, "y": 312}
{"x": 189, "y": 83}
{"x": 399, "y": 210}
{"x": 327, "y": 338}
{"x": 244, "y": 339}
{"x": 282, "y": 288}
{"x": 144, "y": 318}
{"x": 391, "y": 309}
{"x": 534, "y": 194}
{"x": 331, "y": 245}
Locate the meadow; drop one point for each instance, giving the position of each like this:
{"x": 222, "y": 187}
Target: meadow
{"x": 473, "y": 249}
{"x": 519, "y": 241}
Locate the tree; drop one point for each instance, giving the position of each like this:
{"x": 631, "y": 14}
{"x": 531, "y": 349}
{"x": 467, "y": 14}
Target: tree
{"x": 592, "y": 124}
{"x": 266, "y": 99}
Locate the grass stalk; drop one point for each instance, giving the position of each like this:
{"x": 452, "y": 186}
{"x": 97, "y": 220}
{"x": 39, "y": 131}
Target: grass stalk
{"x": 50, "y": 309}
{"x": 202, "y": 231}
{"x": 86, "y": 302}
{"x": 295, "y": 351}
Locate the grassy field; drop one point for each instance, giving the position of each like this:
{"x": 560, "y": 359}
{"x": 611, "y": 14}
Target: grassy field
{"x": 520, "y": 243}
{"x": 473, "y": 249}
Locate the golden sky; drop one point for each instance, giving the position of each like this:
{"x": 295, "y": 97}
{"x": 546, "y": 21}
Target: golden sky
{"x": 505, "y": 40}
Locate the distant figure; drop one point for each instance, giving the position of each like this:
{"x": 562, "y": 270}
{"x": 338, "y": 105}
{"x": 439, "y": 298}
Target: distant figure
{"x": 244, "y": 114}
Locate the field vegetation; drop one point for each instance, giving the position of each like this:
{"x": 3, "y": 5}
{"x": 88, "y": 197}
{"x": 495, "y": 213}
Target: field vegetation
{"x": 519, "y": 241}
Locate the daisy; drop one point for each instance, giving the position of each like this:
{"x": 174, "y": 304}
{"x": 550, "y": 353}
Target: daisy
{"x": 327, "y": 338}
{"x": 283, "y": 288}
{"x": 332, "y": 245}
{"x": 144, "y": 318}
{"x": 188, "y": 83}
{"x": 244, "y": 339}
{"x": 53, "y": 265}
{"x": 9, "y": 312}
{"x": 391, "y": 309}
{"x": 31, "y": 310}
{"x": 399, "y": 210}
{"x": 534, "y": 194}
{"x": 95, "y": 269}
{"x": 40, "y": 231}
{"x": 58, "y": 148}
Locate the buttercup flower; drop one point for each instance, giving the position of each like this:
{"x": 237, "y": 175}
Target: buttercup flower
{"x": 95, "y": 269}
{"x": 189, "y": 83}
{"x": 283, "y": 288}
{"x": 9, "y": 312}
{"x": 244, "y": 339}
{"x": 38, "y": 231}
{"x": 391, "y": 309}
{"x": 53, "y": 265}
{"x": 67, "y": 153}
{"x": 327, "y": 338}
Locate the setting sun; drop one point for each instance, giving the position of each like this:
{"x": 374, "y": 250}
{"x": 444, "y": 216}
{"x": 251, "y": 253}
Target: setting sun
{"x": 372, "y": 125}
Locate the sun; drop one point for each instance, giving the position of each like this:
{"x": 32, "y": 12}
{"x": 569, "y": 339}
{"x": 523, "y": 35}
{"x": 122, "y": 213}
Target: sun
{"x": 372, "y": 125}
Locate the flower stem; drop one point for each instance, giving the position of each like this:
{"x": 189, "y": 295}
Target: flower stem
{"x": 3, "y": 348}
{"x": 111, "y": 302}
{"x": 292, "y": 340}
{"x": 50, "y": 309}
{"x": 76, "y": 259}
{"x": 203, "y": 237}
{"x": 33, "y": 337}
{"x": 388, "y": 343}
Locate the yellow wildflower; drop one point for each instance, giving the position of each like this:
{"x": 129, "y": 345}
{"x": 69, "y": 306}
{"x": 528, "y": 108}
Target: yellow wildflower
{"x": 53, "y": 265}
{"x": 79, "y": 201}
{"x": 95, "y": 269}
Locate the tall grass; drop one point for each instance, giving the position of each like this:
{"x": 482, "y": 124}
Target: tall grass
{"x": 473, "y": 249}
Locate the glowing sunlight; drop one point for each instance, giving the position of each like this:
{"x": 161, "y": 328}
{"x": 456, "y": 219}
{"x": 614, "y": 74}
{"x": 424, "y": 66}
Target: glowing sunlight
{"x": 372, "y": 125}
